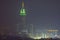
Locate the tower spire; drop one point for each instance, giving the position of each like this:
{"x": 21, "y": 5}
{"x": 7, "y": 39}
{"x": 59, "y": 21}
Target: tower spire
{"x": 22, "y": 4}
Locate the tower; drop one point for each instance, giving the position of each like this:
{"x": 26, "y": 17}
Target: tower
{"x": 22, "y": 14}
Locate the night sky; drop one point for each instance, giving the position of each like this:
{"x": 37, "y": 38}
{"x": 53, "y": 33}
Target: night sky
{"x": 43, "y": 14}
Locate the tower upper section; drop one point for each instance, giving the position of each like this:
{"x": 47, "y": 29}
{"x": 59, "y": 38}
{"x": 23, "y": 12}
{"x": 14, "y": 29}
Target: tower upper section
{"x": 22, "y": 10}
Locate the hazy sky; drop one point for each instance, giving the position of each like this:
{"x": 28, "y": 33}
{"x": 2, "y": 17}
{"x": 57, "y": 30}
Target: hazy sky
{"x": 43, "y": 14}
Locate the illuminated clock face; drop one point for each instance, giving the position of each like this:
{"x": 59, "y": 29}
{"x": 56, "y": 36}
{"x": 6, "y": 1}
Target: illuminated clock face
{"x": 22, "y": 12}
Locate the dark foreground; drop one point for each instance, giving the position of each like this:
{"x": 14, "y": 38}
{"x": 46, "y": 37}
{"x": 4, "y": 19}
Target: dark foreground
{"x": 6, "y": 37}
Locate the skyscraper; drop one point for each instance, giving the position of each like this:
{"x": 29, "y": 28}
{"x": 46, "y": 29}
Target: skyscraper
{"x": 22, "y": 26}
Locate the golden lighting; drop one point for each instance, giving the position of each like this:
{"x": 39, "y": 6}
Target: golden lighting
{"x": 52, "y": 30}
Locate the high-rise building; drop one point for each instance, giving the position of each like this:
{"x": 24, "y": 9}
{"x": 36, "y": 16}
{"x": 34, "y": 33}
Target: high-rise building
{"x": 21, "y": 27}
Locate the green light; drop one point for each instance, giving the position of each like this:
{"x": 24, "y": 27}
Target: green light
{"x": 22, "y": 12}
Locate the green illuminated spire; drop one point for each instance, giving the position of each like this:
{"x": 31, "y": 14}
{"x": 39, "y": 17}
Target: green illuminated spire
{"x": 22, "y": 10}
